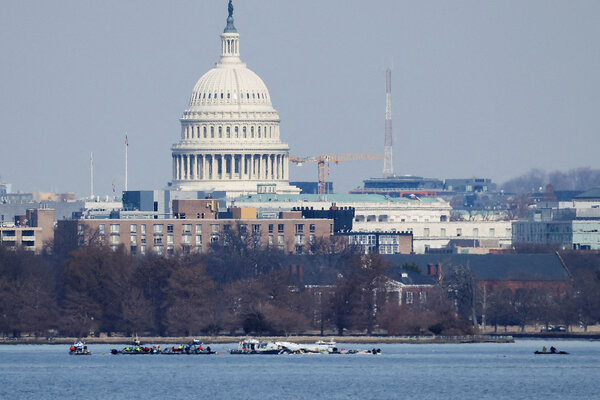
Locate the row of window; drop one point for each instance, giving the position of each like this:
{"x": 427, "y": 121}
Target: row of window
{"x": 206, "y": 132}
{"x": 213, "y": 97}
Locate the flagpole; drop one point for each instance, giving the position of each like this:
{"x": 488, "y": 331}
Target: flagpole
{"x": 126, "y": 149}
{"x": 91, "y": 175}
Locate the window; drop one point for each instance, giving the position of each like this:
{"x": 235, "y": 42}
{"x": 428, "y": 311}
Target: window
{"x": 198, "y": 229}
{"x": 256, "y": 229}
{"x": 198, "y": 239}
{"x": 270, "y": 228}
{"x": 299, "y": 228}
{"x": 187, "y": 228}
{"x": 133, "y": 228}
{"x": 409, "y": 297}
{"x": 422, "y": 297}
{"x": 186, "y": 239}
{"x": 300, "y": 239}
{"x": 280, "y": 228}
{"x": 458, "y": 231}
{"x": 133, "y": 238}
{"x": 280, "y": 240}
{"x": 270, "y": 240}
{"x": 492, "y": 232}
{"x": 101, "y": 229}
{"x": 426, "y": 232}
{"x": 114, "y": 239}
{"x": 475, "y": 232}
{"x": 312, "y": 227}
{"x": 158, "y": 229}
{"x": 114, "y": 228}
{"x": 142, "y": 249}
{"x": 158, "y": 241}
{"x": 143, "y": 229}
{"x": 169, "y": 228}
{"x": 214, "y": 228}
{"x": 443, "y": 232}
{"x": 170, "y": 239}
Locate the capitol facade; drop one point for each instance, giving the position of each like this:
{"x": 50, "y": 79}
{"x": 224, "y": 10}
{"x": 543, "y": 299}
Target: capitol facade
{"x": 230, "y": 139}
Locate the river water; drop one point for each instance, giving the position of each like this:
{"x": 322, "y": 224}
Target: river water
{"x": 436, "y": 371}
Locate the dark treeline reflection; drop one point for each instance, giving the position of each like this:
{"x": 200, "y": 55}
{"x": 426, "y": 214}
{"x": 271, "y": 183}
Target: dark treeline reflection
{"x": 236, "y": 289}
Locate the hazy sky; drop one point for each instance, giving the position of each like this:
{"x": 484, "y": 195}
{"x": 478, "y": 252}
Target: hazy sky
{"x": 480, "y": 88}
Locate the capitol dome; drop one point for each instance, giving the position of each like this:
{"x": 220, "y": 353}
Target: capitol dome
{"x": 229, "y": 84}
{"x": 230, "y": 131}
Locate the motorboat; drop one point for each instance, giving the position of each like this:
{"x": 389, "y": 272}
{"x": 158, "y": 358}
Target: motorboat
{"x": 195, "y": 347}
{"x": 79, "y": 349}
{"x": 138, "y": 350}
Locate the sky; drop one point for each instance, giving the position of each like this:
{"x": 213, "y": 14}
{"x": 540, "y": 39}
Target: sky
{"x": 480, "y": 88}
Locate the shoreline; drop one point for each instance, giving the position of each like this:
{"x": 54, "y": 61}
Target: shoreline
{"x": 121, "y": 340}
{"x": 295, "y": 339}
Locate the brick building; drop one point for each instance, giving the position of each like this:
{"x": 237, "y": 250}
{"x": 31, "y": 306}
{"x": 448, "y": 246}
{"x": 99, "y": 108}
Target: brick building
{"x": 30, "y": 231}
{"x": 290, "y": 232}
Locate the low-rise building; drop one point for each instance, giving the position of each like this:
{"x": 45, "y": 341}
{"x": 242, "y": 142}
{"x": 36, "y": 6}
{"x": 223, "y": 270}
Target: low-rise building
{"x": 568, "y": 225}
{"x": 31, "y": 231}
{"x": 290, "y": 233}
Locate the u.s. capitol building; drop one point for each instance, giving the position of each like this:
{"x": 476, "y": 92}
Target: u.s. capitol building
{"x": 230, "y": 137}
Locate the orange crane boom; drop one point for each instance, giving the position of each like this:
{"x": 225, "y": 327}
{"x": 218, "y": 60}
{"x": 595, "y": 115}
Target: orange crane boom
{"x": 326, "y": 158}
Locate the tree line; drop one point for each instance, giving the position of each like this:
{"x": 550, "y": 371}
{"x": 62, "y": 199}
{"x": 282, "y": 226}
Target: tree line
{"x": 237, "y": 289}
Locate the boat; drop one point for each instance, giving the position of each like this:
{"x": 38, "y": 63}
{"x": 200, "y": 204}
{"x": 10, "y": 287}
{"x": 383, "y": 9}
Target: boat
{"x": 254, "y": 346}
{"x": 195, "y": 347}
{"x": 138, "y": 350}
{"x": 79, "y": 349}
{"x": 549, "y": 352}
{"x": 553, "y": 350}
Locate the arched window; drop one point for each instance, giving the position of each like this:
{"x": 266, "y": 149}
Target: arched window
{"x": 259, "y": 131}
{"x": 251, "y": 131}
{"x": 247, "y": 95}
{"x": 212, "y": 131}
{"x": 228, "y": 95}
{"x": 220, "y": 132}
{"x": 228, "y": 132}
{"x": 244, "y": 132}
{"x": 236, "y": 132}
{"x": 209, "y": 96}
{"x": 205, "y": 132}
{"x": 221, "y": 95}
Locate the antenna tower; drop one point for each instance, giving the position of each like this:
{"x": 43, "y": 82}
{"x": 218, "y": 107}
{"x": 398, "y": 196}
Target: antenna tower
{"x": 388, "y": 161}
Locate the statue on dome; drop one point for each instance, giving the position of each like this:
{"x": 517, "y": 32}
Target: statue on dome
{"x": 230, "y": 8}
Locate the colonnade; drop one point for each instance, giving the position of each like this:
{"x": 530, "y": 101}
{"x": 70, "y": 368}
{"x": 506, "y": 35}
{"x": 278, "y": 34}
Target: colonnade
{"x": 230, "y": 166}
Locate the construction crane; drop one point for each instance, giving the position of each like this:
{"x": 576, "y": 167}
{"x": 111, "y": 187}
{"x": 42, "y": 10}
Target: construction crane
{"x": 327, "y": 158}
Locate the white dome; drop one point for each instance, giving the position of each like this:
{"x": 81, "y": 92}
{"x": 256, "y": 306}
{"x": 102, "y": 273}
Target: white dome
{"x": 230, "y": 84}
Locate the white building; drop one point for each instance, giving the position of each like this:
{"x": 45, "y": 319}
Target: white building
{"x": 230, "y": 132}
{"x": 428, "y": 218}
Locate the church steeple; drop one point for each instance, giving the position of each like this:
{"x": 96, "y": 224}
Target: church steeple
{"x": 230, "y": 28}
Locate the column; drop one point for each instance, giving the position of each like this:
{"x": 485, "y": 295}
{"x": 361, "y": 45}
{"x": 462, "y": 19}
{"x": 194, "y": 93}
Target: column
{"x": 187, "y": 167}
{"x": 194, "y": 166}
{"x": 213, "y": 175}
{"x": 176, "y": 166}
{"x": 286, "y": 167}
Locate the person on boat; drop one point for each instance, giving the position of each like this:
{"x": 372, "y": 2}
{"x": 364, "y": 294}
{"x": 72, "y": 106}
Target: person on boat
{"x": 552, "y": 349}
{"x": 544, "y": 349}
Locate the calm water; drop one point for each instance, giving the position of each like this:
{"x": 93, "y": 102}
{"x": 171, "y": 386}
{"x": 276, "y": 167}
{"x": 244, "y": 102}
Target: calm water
{"x": 465, "y": 371}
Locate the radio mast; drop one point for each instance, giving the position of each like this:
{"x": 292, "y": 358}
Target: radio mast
{"x": 388, "y": 162}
